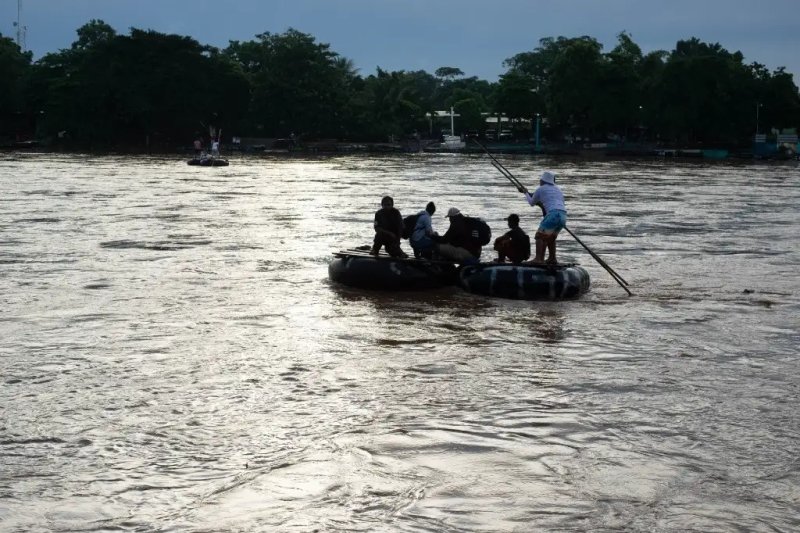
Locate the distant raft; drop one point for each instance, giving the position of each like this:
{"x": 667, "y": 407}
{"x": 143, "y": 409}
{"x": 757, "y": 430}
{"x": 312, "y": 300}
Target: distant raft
{"x": 208, "y": 162}
{"x": 358, "y": 268}
{"x": 525, "y": 282}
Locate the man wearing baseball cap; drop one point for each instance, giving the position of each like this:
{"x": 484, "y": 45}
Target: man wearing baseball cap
{"x": 458, "y": 243}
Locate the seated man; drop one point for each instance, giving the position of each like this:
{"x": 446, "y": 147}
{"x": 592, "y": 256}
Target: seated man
{"x": 421, "y": 239}
{"x": 458, "y": 243}
{"x": 514, "y": 244}
{"x": 388, "y": 227}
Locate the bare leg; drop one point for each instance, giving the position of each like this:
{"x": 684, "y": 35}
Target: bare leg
{"x": 540, "y": 247}
{"x": 551, "y": 248}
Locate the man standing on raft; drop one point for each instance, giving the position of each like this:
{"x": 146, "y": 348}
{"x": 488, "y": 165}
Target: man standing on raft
{"x": 550, "y": 198}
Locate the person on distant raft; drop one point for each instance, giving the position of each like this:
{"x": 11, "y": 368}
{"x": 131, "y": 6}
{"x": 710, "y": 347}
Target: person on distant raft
{"x": 215, "y": 148}
{"x": 388, "y": 227}
{"x": 458, "y": 243}
{"x": 198, "y": 146}
{"x": 514, "y": 244}
{"x": 421, "y": 239}
{"x": 550, "y": 198}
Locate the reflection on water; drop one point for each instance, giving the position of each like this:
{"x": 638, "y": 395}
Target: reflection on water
{"x": 173, "y": 356}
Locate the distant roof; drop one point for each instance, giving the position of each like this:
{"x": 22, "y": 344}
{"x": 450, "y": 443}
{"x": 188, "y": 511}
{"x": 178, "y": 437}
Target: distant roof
{"x": 442, "y": 114}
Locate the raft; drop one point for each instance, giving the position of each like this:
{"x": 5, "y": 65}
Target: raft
{"x": 208, "y": 162}
{"x": 525, "y": 281}
{"x": 358, "y": 268}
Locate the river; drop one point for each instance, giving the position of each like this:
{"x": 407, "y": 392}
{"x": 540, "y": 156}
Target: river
{"x": 173, "y": 356}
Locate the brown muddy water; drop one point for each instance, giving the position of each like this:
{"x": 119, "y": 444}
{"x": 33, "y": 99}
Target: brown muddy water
{"x": 173, "y": 356}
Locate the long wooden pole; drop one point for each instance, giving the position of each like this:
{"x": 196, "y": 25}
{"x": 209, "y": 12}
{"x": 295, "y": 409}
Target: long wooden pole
{"x": 622, "y": 283}
{"x": 521, "y": 188}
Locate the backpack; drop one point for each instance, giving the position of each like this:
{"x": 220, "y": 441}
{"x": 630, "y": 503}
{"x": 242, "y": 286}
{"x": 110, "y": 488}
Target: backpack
{"x": 479, "y": 230}
{"x": 409, "y": 223}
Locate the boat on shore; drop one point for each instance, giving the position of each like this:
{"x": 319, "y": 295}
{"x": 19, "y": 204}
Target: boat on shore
{"x": 358, "y": 268}
{"x": 449, "y": 143}
{"x": 525, "y": 281}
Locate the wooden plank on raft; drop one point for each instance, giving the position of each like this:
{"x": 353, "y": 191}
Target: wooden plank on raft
{"x": 354, "y": 252}
{"x": 384, "y": 256}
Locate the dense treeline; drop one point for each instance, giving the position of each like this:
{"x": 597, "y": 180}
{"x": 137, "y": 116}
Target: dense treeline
{"x": 152, "y": 89}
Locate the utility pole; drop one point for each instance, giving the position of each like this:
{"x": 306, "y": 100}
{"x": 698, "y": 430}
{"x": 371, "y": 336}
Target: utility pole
{"x": 758, "y": 107}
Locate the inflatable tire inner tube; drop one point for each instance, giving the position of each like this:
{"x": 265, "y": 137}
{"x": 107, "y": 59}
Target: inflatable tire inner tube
{"x": 525, "y": 282}
{"x": 208, "y": 162}
{"x": 386, "y": 273}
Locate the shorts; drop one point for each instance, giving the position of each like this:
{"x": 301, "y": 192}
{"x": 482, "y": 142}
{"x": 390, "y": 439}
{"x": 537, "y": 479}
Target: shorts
{"x": 553, "y": 222}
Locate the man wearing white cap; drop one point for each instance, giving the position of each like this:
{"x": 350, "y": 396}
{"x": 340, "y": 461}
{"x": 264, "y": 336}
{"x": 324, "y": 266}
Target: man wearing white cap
{"x": 458, "y": 244}
{"x": 550, "y": 198}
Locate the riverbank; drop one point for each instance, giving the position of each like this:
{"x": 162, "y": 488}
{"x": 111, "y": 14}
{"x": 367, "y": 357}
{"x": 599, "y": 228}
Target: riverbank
{"x": 268, "y": 147}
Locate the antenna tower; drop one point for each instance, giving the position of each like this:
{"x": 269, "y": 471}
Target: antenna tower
{"x": 20, "y": 28}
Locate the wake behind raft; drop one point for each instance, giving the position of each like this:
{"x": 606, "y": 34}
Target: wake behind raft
{"x": 357, "y": 268}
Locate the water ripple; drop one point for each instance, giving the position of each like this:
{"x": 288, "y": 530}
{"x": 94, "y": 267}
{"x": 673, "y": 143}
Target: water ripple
{"x": 174, "y": 357}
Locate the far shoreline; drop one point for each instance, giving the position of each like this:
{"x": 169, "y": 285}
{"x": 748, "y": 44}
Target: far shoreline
{"x": 603, "y": 152}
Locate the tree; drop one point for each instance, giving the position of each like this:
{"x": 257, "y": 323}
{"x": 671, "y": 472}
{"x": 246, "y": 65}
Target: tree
{"x": 145, "y": 88}
{"x": 573, "y": 86}
{"x": 14, "y": 65}
{"x": 298, "y": 85}
{"x": 470, "y": 105}
{"x": 781, "y": 101}
{"x": 448, "y": 73}
{"x": 93, "y": 34}
{"x": 701, "y": 93}
{"x": 148, "y": 88}
{"x": 618, "y": 102}
{"x": 516, "y": 97}
{"x": 396, "y": 102}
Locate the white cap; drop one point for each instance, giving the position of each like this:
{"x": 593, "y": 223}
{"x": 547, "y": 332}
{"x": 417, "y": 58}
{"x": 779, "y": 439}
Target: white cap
{"x": 548, "y": 177}
{"x": 452, "y": 212}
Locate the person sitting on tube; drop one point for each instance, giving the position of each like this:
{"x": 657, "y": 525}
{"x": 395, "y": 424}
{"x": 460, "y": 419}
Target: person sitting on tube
{"x": 514, "y": 244}
{"x": 422, "y": 238}
{"x": 388, "y": 228}
{"x": 458, "y": 243}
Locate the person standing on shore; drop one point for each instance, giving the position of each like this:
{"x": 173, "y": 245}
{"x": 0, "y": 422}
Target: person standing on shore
{"x": 550, "y": 198}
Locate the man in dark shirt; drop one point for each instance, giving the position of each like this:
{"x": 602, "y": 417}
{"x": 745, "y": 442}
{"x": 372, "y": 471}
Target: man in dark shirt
{"x": 458, "y": 243}
{"x": 388, "y": 228}
{"x": 514, "y": 244}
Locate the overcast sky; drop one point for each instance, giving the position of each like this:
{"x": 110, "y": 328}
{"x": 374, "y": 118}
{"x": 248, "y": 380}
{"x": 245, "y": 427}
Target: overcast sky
{"x": 473, "y": 35}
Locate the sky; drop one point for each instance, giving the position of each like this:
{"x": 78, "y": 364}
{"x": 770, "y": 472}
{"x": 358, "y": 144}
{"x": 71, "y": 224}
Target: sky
{"x": 475, "y": 36}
